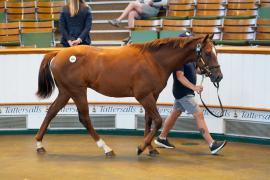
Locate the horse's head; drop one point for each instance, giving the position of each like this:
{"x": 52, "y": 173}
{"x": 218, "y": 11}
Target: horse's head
{"x": 207, "y": 59}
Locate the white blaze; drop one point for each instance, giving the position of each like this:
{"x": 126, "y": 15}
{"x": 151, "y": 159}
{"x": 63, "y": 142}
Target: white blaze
{"x": 214, "y": 51}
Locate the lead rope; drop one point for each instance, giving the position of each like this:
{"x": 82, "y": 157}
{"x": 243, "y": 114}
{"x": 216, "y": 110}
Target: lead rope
{"x": 220, "y": 104}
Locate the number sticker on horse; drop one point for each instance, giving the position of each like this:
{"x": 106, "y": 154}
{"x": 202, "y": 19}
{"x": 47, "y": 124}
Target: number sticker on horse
{"x": 72, "y": 59}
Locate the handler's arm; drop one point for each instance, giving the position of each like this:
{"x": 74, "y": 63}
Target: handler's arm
{"x": 187, "y": 83}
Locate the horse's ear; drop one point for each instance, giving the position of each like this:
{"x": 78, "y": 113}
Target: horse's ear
{"x": 205, "y": 38}
{"x": 211, "y": 36}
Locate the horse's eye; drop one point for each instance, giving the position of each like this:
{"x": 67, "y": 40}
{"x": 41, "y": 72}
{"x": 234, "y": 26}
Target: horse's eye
{"x": 208, "y": 54}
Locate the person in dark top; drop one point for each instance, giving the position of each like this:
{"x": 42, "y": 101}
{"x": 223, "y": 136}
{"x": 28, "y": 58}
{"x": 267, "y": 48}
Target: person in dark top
{"x": 75, "y": 24}
{"x": 184, "y": 85}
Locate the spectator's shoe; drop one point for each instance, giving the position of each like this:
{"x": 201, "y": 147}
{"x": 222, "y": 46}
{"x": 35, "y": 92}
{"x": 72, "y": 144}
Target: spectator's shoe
{"x": 216, "y": 146}
{"x": 127, "y": 40}
{"x": 114, "y": 22}
{"x": 164, "y": 143}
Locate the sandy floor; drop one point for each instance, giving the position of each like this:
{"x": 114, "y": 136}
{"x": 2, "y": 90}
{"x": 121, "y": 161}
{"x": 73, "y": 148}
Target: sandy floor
{"x": 77, "y": 157}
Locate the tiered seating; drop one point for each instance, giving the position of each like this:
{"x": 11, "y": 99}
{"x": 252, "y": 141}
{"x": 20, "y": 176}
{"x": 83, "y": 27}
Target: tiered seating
{"x": 202, "y": 27}
{"x": 181, "y": 9}
{"x": 49, "y": 10}
{"x": 28, "y": 15}
{"x": 30, "y": 34}
{"x": 265, "y": 3}
{"x": 264, "y": 10}
{"x": 37, "y": 34}
{"x": 21, "y": 11}
{"x": 233, "y": 22}
{"x": 238, "y": 31}
{"x": 240, "y": 8}
{"x": 262, "y": 33}
{"x": 172, "y": 28}
{"x": 225, "y": 18}
{"x": 145, "y": 30}
{"x": 2, "y": 12}
{"x": 9, "y": 34}
{"x": 210, "y": 10}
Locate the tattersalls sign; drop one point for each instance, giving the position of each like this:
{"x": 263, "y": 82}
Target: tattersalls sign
{"x": 124, "y": 112}
{"x": 129, "y": 109}
{"x": 253, "y": 115}
{"x": 21, "y": 109}
{"x": 71, "y": 109}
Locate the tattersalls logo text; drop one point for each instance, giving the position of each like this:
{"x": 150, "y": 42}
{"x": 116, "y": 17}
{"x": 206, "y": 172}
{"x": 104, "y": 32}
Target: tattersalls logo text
{"x": 22, "y": 109}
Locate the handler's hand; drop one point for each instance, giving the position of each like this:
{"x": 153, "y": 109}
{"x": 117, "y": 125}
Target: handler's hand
{"x": 198, "y": 89}
{"x": 70, "y": 43}
{"x": 76, "y": 42}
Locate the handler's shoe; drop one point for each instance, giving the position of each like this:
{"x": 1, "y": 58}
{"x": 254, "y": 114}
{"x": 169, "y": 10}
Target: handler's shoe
{"x": 114, "y": 22}
{"x": 164, "y": 143}
{"x": 216, "y": 146}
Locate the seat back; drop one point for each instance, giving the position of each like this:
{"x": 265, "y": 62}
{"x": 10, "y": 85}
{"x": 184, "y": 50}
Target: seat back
{"x": 211, "y": 2}
{"x": 21, "y": 11}
{"x": 147, "y": 24}
{"x": 145, "y": 30}
{"x": 37, "y": 34}
{"x": 240, "y": 22}
{"x": 2, "y": 12}
{"x": 263, "y": 29}
{"x": 238, "y": 33}
{"x": 264, "y": 3}
{"x": 201, "y": 27}
{"x": 49, "y": 10}
{"x": 174, "y": 27}
{"x": 181, "y": 8}
{"x": 9, "y": 34}
{"x": 264, "y": 12}
{"x": 242, "y": 8}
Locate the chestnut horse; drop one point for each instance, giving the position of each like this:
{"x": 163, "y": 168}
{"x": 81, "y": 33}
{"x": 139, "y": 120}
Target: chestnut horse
{"x": 137, "y": 70}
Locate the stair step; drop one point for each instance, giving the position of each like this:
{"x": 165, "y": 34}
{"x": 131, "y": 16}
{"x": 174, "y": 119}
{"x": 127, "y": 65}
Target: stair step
{"x": 109, "y": 6}
{"x": 107, "y": 1}
{"x": 107, "y": 43}
{"x": 106, "y": 15}
{"x": 104, "y": 25}
{"x": 106, "y": 36}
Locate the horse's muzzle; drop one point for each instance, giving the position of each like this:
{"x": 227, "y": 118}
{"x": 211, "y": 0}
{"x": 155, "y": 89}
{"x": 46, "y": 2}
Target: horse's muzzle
{"x": 216, "y": 77}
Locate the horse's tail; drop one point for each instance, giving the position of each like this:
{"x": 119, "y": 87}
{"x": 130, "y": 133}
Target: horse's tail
{"x": 46, "y": 83}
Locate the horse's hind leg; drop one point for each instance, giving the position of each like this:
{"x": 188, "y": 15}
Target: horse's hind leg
{"x": 148, "y": 123}
{"x": 80, "y": 100}
{"x": 57, "y": 105}
{"x": 149, "y": 104}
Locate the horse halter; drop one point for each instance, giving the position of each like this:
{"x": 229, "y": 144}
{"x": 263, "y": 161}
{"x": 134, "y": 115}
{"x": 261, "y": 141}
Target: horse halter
{"x": 205, "y": 69}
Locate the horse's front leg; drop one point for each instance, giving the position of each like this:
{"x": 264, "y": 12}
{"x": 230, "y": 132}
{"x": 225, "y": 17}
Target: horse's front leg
{"x": 80, "y": 100}
{"x": 149, "y": 104}
{"x": 57, "y": 105}
{"x": 148, "y": 122}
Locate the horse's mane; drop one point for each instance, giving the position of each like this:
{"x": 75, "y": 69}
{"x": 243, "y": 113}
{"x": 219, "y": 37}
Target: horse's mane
{"x": 178, "y": 42}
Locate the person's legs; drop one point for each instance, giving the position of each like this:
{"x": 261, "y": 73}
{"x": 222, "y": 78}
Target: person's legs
{"x": 131, "y": 17}
{"x": 189, "y": 103}
{"x": 132, "y": 6}
{"x": 169, "y": 122}
{"x": 162, "y": 140}
{"x": 202, "y": 127}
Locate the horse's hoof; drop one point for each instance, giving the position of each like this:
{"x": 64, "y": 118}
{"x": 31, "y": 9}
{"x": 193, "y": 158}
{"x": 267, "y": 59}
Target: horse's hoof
{"x": 110, "y": 154}
{"x": 153, "y": 153}
{"x": 41, "y": 150}
{"x": 139, "y": 150}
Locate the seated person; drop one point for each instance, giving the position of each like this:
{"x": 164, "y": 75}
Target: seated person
{"x": 75, "y": 23}
{"x": 139, "y": 9}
